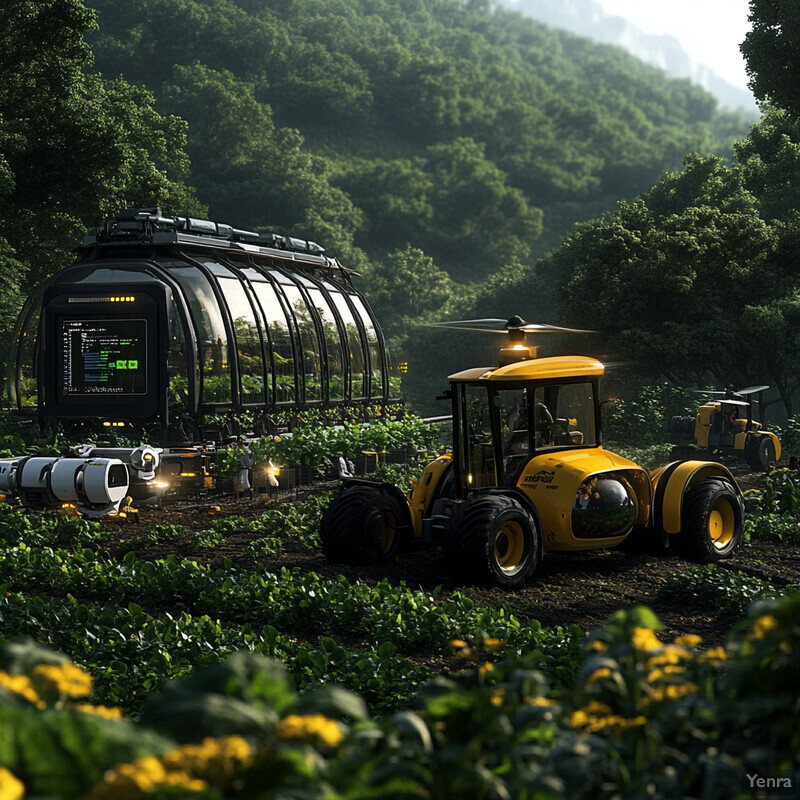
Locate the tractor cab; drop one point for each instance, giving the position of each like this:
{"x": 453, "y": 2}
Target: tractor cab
{"x": 504, "y": 417}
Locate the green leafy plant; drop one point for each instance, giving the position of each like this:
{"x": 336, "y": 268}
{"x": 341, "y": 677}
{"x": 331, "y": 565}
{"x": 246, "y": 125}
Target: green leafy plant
{"x": 731, "y": 592}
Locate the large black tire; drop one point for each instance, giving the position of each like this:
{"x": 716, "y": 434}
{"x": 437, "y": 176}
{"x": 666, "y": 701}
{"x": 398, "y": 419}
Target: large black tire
{"x": 495, "y": 539}
{"x": 759, "y": 452}
{"x": 712, "y": 522}
{"x": 364, "y": 525}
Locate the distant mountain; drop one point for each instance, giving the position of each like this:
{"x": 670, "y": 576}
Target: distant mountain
{"x": 587, "y": 18}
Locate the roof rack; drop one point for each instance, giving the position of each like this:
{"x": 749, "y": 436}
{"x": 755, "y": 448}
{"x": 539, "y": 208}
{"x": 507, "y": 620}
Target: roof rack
{"x": 139, "y": 224}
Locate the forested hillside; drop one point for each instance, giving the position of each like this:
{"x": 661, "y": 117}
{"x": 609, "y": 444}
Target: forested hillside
{"x": 477, "y": 136}
{"x": 431, "y": 144}
{"x": 434, "y": 145}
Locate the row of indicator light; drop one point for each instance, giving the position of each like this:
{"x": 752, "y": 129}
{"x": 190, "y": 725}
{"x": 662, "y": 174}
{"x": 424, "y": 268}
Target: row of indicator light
{"x": 114, "y": 424}
{"x": 121, "y": 298}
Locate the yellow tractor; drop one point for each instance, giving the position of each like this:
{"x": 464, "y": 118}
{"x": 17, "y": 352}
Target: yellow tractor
{"x": 527, "y": 475}
{"x": 726, "y": 427}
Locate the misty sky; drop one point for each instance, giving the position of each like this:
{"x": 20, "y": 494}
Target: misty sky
{"x": 709, "y": 30}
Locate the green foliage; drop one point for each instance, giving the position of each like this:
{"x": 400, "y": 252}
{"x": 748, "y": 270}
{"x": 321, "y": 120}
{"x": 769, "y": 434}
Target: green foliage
{"x": 300, "y": 519}
{"x": 705, "y": 245}
{"x": 770, "y": 50}
{"x": 640, "y": 418}
{"x": 74, "y": 147}
{"x": 160, "y": 533}
{"x": 719, "y": 588}
{"x": 46, "y": 529}
{"x": 299, "y": 120}
{"x": 217, "y": 533}
{"x": 317, "y": 446}
{"x": 130, "y": 649}
{"x": 779, "y": 493}
{"x": 773, "y": 510}
{"x": 789, "y": 435}
{"x": 644, "y": 717}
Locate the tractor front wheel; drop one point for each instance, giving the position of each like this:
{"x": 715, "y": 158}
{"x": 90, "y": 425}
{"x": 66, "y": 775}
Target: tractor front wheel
{"x": 713, "y": 522}
{"x": 495, "y": 539}
{"x": 364, "y": 525}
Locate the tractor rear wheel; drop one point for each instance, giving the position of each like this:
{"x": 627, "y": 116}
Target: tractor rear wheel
{"x": 495, "y": 539}
{"x": 759, "y": 452}
{"x": 713, "y": 522}
{"x": 364, "y": 525}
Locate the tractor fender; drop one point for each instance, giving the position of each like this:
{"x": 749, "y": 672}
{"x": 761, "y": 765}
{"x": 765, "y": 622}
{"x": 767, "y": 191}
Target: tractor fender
{"x": 526, "y": 503}
{"x": 776, "y": 443}
{"x": 670, "y": 484}
{"x": 390, "y": 488}
{"x": 429, "y": 487}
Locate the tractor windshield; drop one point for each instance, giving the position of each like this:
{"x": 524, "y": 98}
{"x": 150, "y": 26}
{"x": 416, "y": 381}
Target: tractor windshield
{"x": 564, "y": 415}
{"x": 500, "y": 427}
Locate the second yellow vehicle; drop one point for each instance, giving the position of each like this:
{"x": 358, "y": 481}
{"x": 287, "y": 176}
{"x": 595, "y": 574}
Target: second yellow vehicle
{"x": 528, "y": 475}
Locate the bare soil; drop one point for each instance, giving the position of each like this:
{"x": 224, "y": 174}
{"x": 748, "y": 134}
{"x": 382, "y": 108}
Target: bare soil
{"x": 581, "y": 589}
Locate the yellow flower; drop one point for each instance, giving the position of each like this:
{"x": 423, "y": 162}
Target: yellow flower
{"x": 493, "y": 644}
{"x": 584, "y": 716}
{"x": 687, "y": 640}
{"x": 106, "y": 712}
{"x": 598, "y": 674}
{"x": 487, "y": 667}
{"x": 540, "y": 701}
{"x": 762, "y": 626}
{"x": 498, "y": 695}
{"x": 670, "y": 693}
{"x": 715, "y": 656}
{"x": 213, "y": 759}
{"x": 10, "y": 787}
{"x": 669, "y": 655}
{"x": 597, "y": 717}
{"x": 598, "y": 644}
{"x": 310, "y": 726}
{"x": 458, "y": 643}
{"x": 64, "y": 679}
{"x": 148, "y": 774}
{"x": 22, "y": 686}
{"x": 665, "y": 672}
{"x": 646, "y": 639}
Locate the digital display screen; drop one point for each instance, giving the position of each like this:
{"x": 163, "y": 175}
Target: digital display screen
{"x": 103, "y": 357}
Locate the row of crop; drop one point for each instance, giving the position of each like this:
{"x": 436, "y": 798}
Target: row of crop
{"x": 317, "y": 448}
{"x": 646, "y": 717}
{"x": 160, "y": 618}
{"x": 773, "y": 510}
{"x": 299, "y": 520}
{"x": 131, "y": 652}
{"x": 726, "y": 590}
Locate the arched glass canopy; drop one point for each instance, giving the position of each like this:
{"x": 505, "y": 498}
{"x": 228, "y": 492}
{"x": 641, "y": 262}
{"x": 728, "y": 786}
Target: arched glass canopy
{"x": 161, "y": 317}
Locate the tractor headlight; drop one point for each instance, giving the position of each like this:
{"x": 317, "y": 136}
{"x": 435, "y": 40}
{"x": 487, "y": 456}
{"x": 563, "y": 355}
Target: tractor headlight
{"x": 604, "y": 507}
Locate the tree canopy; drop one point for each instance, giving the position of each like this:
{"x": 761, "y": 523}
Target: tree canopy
{"x": 472, "y": 133}
{"x": 772, "y": 52}
{"x": 697, "y": 278}
{"x": 74, "y": 147}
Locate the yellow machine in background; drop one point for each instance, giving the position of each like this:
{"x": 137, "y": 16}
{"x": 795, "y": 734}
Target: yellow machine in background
{"x": 528, "y": 474}
{"x": 726, "y": 427}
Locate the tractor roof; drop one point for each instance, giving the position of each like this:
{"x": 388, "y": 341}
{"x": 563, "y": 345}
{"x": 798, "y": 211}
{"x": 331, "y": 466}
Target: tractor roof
{"x": 552, "y": 368}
